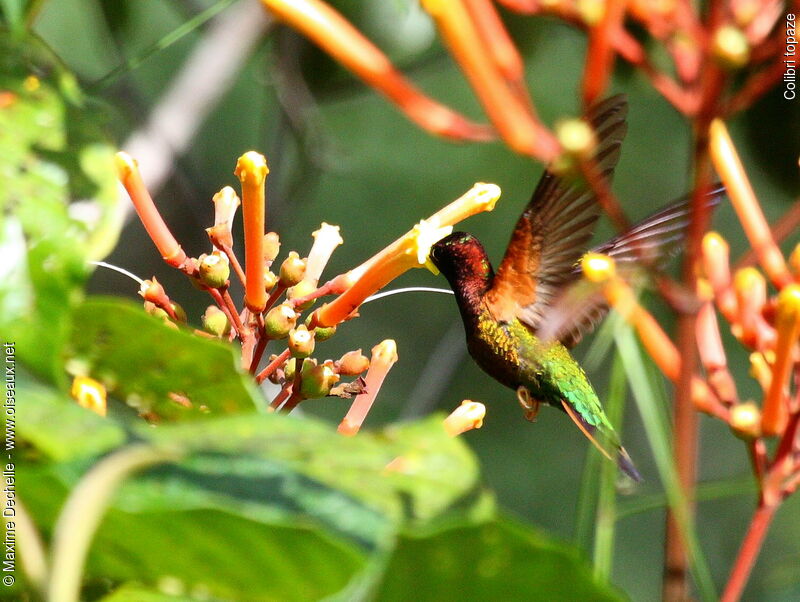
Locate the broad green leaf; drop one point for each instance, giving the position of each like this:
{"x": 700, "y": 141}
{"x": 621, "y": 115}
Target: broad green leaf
{"x": 58, "y": 201}
{"x": 131, "y": 592}
{"x": 171, "y": 374}
{"x": 495, "y": 560}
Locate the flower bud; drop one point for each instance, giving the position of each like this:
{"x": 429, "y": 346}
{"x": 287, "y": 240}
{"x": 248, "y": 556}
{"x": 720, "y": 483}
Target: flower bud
{"x": 317, "y": 381}
{"x": 597, "y": 267}
{"x": 730, "y": 47}
{"x": 469, "y": 415}
{"x": 352, "y": 363}
{"x": 279, "y": 321}
{"x": 301, "y": 341}
{"x": 180, "y": 313}
{"x": 292, "y": 270}
{"x": 576, "y": 137}
{"x": 216, "y": 322}
{"x": 272, "y": 246}
{"x": 214, "y": 270}
{"x": 152, "y": 291}
{"x": 89, "y": 394}
{"x": 301, "y": 289}
{"x": 324, "y": 333}
{"x": 745, "y": 420}
{"x": 270, "y": 280}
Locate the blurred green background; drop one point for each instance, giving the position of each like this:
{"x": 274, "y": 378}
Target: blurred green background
{"x": 350, "y": 158}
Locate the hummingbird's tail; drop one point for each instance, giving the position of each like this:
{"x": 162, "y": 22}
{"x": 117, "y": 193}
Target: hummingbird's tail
{"x": 623, "y": 459}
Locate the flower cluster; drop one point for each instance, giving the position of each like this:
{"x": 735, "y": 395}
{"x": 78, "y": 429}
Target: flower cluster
{"x": 766, "y": 324}
{"x": 276, "y": 309}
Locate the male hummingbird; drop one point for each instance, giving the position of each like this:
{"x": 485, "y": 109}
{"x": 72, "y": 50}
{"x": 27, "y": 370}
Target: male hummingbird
{"x": 504, "y": 313}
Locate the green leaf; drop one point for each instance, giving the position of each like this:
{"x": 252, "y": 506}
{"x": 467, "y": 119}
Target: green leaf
{"x": 496, "y": 560}
{"x": 132, "y": 592}
{"x": 172, "y": 374}
{"x": 58, "y": 202}
{"x": 56, "y": 426}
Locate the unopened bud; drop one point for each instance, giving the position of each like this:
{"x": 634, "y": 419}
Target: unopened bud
{"x": 279, "y": 321}
{"x": 576, "y": 137}
{"x": 214, "y": 269}
{"x": 730, "y": 47}
{"x": 324, "y": 333}
{"x": 292, "y": 270}
{"x": 152, "y": 291}
{"x": 318, "y": 381}
{"x": 216, "y": 322}
{"x": 352, "y": 363}
{"x": 301, "y": 289}
{"x": 745, "y": 420}
{"x": 180, "y": 313}
{"x": 272, "y": 246}
{"x": 89, "y": 394}
{"x": 469, "y": 415}
{"x": 301, "y": 341}
{"x": 270, "y": 280}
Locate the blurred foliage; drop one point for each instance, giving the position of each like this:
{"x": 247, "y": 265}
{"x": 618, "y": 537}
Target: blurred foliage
{"x": 285, "y": 507}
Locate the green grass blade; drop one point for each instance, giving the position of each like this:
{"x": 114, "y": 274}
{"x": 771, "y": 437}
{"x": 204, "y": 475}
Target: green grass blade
{"x": 607, "y": 495}
{"x": 166, "y": 41}
{"x": 657, "y": 429}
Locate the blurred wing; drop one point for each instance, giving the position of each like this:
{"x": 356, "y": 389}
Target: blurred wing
{"x": 555, "y": 228}
{"x": 651, "y": 242}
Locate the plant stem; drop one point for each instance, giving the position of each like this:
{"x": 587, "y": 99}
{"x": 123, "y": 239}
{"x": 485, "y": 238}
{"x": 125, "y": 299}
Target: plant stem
{"x": 751, "y": 545}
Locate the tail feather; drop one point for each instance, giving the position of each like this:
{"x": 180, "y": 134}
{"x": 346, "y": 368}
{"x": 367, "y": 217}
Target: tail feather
{"x": 623, "y": 459}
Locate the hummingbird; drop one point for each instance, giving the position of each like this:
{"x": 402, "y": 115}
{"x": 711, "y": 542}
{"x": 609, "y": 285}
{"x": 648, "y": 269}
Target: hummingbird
{"x": 505, "y": 313}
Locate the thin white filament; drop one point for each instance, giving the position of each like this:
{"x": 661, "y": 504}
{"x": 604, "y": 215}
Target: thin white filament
{"x": 409, "y": 289}
{"x": 116, "y": 268}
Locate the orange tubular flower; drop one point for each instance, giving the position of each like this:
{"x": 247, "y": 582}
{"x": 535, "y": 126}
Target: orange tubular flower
{"x": 751, "y": 295}
{"x": 128, "y": 174}
{"x": 336, "y": 36}
{"x": 384, "y": 356}
{"x": 729, "y": 167}
{"x": 409, "y": 251}
{"x": 715, "y": 254}
{"x": 600, "y": 54}
{"x": 469, "y": 415}
{"x": 515, "y": 123}
{"x": 787, "y": 323}
{"x": 252, "y": 170}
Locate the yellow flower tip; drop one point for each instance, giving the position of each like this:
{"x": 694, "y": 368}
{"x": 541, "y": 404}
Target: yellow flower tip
{"x": 748, "y": 279}
{"x": 434, "y": 8}
{"x": 423, "y": 236}
{"x": 89, "y": 394}
{"x": 745, "y": 420}
{"x": 730, "y": 47}
{"x": 252, "y": 168}
{"x": 789, "y": 304}
{"x": 591, "y": 11}
{"x": 485, "y": 195}
{"x": 469, "y": 415}
{"x": 31, "y": 83}
{"x": 125, "y": 164}
{"x": 714, "y": 243}
{"x": 576, "y": 137}
{"x": 385, "y": 352}
{"x": 597, "y": 267}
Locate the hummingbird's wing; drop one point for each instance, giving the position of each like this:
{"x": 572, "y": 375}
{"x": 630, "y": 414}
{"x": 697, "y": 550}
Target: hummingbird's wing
{"x": 580, "y": 305}
{"x": 555, "y": 228}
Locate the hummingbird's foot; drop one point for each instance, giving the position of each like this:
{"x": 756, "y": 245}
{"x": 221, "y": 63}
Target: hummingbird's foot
{"x": 529, "y": 405}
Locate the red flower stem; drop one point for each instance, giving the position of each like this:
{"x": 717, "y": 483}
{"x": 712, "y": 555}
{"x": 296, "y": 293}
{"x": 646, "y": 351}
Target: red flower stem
{"x": 325, "y": 289}
{"x": 234, "y": 315}
{"x": 281, "y": 396}
{"x": 237, "y": 267}
{"x": 606, "y": 199}
{"x": 230, "y": 312}
{"x": 296, "y": 397}
{"x": 600, "y": 51}
{"x": 279, "y": 290}
{"x": 272, "y": 366}
{"x": 260, "y": 346}
{"x": 758, "y": 457}
{"x": 748, "y": 553}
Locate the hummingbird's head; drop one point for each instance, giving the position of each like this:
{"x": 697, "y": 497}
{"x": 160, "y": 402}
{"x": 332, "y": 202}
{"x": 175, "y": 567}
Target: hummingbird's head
{"x": 461, "y": 258}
